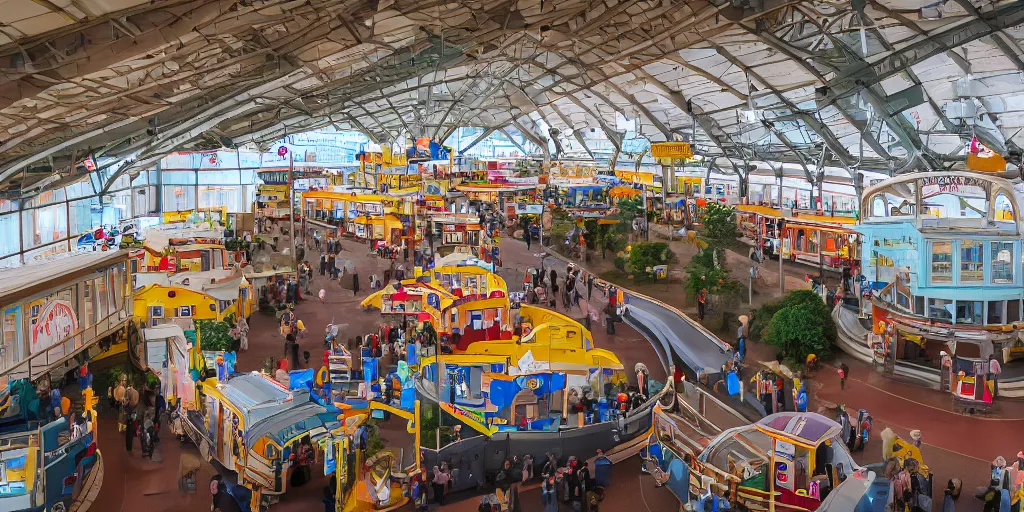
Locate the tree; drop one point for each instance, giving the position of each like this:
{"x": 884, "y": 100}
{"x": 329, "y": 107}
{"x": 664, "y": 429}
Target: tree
{"x": 646, "y": 255}
{"x": 611, "y": 237}
{"x": 800, "y": 330}
{"x": 763, "y": 315}
{"x": 703, "y": 273}
{"x": 561, "y": 225}
{"x": 720, "y": 225}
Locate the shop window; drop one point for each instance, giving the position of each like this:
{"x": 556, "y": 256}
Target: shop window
{"x": 102, "y": 298}
{"x": 44, "y": 225}
{"x": 902, "y": 300}
{"x": 89, "y": 297}
{"x": 972, "y": 266}
{"x": 1003, "y": 208}
{"x": 10, "y": 241}
{"x": 1002, "y": 262}
{"x": 942, "y": 262}
{"x": 179, "y": 197}
{"x": 940, "y": 309}
{"x": 12, "y": 347}
{"x": 1012, "y": 311}
{"x": 968, "y": 312}
{"x": 994, "y": 315}
{"x": 878, "y": 208}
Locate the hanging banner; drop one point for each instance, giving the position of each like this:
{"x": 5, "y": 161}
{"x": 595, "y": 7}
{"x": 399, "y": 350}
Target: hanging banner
{"x": 678, "y": 150}
{"x": 426, "y": 149}
{"x": 56, "y": 322}
{"x": 960, "y": 185}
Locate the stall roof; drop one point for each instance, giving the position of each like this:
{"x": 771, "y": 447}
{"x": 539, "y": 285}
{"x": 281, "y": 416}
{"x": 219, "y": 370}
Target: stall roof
{"x": 257, "y": 396}
{"x": 19, "y": 282}
{"x": 808, "y": 429}
{"x": 295, "y": 421}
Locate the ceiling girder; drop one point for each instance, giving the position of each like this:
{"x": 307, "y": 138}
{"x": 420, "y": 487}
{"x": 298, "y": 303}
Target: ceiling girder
{"x": 539, "y": 140}
{"x": 513, "y": 140}
{"x": 576, "y": 133}
{"x": 613, "y": 136}
{"x": 483, "y": 135}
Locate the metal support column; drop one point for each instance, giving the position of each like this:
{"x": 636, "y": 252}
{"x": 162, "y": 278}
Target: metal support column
{"x": 291, "y": 209}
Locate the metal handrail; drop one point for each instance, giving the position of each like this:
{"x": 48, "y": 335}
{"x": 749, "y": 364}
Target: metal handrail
{"x": 114, "y": 321}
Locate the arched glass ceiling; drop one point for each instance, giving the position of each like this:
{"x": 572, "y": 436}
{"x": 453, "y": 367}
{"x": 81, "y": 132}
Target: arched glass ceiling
{"x": 882, "y": 85}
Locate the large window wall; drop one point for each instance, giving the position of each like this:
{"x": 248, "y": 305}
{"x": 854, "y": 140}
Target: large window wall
{"x": 175, "y": 190}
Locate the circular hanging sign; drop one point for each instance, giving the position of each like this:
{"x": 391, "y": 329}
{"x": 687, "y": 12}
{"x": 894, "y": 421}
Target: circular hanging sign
{"x": 282, "y": 151}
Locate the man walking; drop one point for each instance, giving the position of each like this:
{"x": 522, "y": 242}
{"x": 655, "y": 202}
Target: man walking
{"x": 994, "y": 369}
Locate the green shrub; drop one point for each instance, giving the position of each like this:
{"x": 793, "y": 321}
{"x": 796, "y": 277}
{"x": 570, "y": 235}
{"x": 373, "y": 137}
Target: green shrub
{"x": 764, "y": 314}
{"x": 214, "y": 335}
{"x": 646, "y": 255}
{"x": 620, "y": 263}
{"x": 800, "y": 330}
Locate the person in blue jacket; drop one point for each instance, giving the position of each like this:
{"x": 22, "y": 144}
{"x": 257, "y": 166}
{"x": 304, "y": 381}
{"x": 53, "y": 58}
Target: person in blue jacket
{"x": 800, "y": 398}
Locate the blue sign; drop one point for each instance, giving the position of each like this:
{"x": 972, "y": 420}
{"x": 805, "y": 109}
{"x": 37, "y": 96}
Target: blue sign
{"x": 330, "y": 463}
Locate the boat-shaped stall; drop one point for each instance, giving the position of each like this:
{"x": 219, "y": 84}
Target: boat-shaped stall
{"x": 788, "y": 461}
{"x": 252, "y": 425}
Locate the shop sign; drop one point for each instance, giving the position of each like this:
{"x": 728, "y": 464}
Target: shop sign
{"x": 671, "y": 150}
{"x": 56, "y": 322}
{"x": 981, "y": 158}
{"x": 962, "y": 185}
{"x": 529, "y": 209}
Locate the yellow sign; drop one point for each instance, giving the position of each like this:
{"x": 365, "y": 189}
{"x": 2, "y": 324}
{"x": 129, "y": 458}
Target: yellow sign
{"x": 671, "y": 150}
{"x": 994, "y": 163}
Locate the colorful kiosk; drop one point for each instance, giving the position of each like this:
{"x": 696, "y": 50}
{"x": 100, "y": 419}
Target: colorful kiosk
{"x": 56, "y": 313}
{"x": 523, "y": 380}
{"x": 942, "y": 257}
{"x": 811, "y": 239}
{"x": 55, "y": 310}
{"x": 453, "y": 233}
{"x": 786, "y": 461}
{"x": 364, "y": 216}
{"x": 251, "y": 425}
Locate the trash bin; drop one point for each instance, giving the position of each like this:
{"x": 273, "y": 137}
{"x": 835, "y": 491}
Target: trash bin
{"x": 602, "y": 471}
